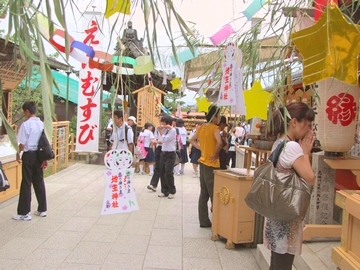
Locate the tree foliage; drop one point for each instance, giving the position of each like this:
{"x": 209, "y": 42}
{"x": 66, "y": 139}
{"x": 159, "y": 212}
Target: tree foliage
{"x": 171, "y": 100}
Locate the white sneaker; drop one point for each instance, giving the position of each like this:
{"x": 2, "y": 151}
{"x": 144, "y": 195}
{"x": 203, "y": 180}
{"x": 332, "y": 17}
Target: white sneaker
{"x": 141, "y": 173}
{"x": 195, "y": 175}
{"x": 162, "y": 195}
{"x": 151, "y": 174}
{"x": 171, "y": 196}
{"x": 177, "y": 174}
{"x": 40, "y": 214}
{"x": 150, "y": 187}
{"x": 22, "y": 217}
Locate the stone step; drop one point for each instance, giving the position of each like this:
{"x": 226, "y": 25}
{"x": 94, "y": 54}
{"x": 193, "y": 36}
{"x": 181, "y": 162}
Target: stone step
{"x": 314, "y": 256}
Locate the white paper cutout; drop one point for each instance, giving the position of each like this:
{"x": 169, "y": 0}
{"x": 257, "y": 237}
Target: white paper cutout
{"x": 119, "y": 192}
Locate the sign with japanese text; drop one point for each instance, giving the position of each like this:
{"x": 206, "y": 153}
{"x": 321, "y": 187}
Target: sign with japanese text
{"x": 119, "y": 192}
{"x": 231, "y": 91}
{"x": 147, "y": 110}
{"x": 89, "y": 104}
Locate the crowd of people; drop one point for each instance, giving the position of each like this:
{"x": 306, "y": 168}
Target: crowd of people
{"x": 211, "y": 147}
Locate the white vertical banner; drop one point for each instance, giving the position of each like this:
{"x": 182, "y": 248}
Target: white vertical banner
{"x": 231, "y": 91}
{"x": 89, "y": 94}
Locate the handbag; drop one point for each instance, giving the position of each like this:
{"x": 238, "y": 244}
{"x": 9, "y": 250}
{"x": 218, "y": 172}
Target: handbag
{"x": 179, "y": 146}
{"x": 284, "y": 198}
{"x": 140, "y": 151}
{"x": 4, "y": 181}
{"x": 44, "y": 150}
{"x": 177, "y": 158}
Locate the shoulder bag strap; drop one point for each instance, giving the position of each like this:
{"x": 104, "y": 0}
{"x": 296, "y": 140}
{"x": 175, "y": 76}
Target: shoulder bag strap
{"x": 274, "y": 156}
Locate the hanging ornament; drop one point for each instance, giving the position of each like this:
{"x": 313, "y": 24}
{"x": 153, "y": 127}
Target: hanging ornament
{"x": 113, "y": 6}
{"x": 335, "y": 52}
{"x": 228, "y": 84}
{"x": 203, "y": 104}
{"x": 256, "y": 101}
{"x": 164, "y": 82}
{"x": 176, "y": 84}
{"x": 335, "y": 122}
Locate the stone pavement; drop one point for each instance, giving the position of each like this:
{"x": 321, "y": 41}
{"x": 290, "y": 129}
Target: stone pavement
{"x": 164, "y": 234}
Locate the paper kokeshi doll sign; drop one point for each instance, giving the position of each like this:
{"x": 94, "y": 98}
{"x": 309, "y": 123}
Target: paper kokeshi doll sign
{"x": 119, "y": 193}
{"x": 335, "y": 122}
{"x": 231, "y": 92}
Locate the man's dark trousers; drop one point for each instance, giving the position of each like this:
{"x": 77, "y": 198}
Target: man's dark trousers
{"x": 31, "y": 174}
{"x": 167, "y": 162}
{"x": 156, "y": 176}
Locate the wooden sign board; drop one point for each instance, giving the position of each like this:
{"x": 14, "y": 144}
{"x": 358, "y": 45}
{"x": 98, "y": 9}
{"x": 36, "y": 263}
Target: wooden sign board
{"x": 147, "y": 110}
{"x": 10, "y": 75}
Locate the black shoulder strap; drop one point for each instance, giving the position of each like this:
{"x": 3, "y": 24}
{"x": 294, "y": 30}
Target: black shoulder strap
{"x": 177, "y": 131}
{"x": 126, "y": 131}
{"x": 274, "y": 156}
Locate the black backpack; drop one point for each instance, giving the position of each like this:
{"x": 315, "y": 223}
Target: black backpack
{"x": 44, "y": 150}
{"x": 4, "y": 182}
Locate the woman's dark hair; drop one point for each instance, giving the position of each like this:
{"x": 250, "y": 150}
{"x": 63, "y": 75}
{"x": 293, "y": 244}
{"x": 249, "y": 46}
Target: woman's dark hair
{"x": 167, "y": 119}
{"x": 180, "y": 123}
{"x": 30, "y": 106}
{"x": 147, "y": 125}
{"x": 298, "y": 110}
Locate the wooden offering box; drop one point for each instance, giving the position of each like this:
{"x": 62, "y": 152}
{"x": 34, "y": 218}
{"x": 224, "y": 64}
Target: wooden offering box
{"x": 347, "y": 255}
{"x": 232, "y": 218}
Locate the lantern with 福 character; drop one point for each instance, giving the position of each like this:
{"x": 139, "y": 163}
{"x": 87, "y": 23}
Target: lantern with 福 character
{"x": 336, "y": 107}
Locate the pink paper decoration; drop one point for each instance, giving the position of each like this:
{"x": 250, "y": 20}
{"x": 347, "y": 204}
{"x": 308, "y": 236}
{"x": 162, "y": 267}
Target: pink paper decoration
{"x": 222, "y": 34}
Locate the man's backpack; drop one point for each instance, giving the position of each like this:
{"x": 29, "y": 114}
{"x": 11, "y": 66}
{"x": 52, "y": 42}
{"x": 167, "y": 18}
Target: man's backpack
{"x": 44, "y": 150}
{"x": 4, "y": 182}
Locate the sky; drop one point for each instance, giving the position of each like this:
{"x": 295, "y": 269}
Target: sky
{"x": 208, "y": 15}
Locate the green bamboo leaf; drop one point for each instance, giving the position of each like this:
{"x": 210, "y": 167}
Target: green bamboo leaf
{"x": 9, "y": 131}
{"x": 60, "y": 12}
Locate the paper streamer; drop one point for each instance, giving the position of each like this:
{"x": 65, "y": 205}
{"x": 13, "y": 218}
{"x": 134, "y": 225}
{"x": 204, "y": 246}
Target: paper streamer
{"x": 123, "y": 70}
{"x": 184, "y": 56}
{"x": 105, "y": 57}
{"x": 113, "y": 6}
{"x": 124, "y": 60}
{"x": 61, "y": 34}
{"x": 253, "y": 8}
{"x": 164, "y": 81}
{"x": 144, "y": 65}
{"x": 44, "y": 25}
{"x": 222, "y": 34}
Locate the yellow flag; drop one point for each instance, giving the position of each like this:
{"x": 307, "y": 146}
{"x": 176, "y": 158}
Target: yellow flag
{"x": 113, "y": 6}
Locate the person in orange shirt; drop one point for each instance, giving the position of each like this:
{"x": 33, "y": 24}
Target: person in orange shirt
{"x": 210, "y": 145}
